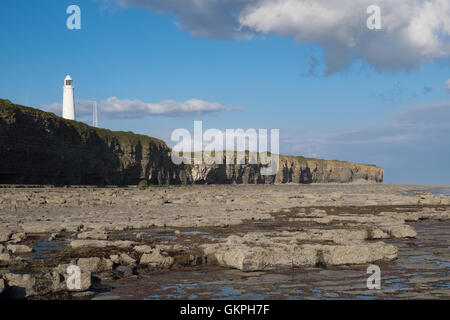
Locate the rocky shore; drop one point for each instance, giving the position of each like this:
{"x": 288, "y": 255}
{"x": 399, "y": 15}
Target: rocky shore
{"x": 125, "y": 233}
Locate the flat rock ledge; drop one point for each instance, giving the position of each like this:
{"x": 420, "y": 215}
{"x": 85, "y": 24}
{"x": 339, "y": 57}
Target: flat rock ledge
{"x": 112, "y": 233}
{"x": 257, "y": 252}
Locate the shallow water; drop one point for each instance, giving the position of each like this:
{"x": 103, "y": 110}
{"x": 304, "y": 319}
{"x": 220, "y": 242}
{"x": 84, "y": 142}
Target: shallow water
{"x": 445, "y": 192}
{"x": 442, "y": 191}
{"x": 421, "y": 271}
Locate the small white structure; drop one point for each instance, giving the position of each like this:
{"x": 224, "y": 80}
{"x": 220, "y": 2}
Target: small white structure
{"x": 68, "y": 99}
{"x": 95, "y": 115}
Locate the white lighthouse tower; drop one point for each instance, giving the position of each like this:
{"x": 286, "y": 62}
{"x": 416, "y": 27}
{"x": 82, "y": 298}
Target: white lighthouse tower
{"x": 68, "y": 99}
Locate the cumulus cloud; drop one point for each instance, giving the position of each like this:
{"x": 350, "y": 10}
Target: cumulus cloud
{"x": 413, "y": 31}
{"x": 114, "y": 108}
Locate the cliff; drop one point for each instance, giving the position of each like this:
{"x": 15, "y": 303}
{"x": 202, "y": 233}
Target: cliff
{"x": 37, "y": 147}
{"x": 292, "y": 170}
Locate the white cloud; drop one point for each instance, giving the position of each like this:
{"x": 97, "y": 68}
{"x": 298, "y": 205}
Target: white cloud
{"x": 409, "y": 126}
{"x": 411, "y": 144}
{"x": 114, "y": 108}
{"x": 413, "y": 31}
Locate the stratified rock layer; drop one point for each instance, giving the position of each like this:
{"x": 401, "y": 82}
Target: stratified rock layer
{"x": 41, "y": 148}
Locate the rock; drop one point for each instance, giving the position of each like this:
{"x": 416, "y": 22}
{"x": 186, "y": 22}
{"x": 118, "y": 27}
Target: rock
{"x": 53, "y": 237}
{"x": 107, "y": 264}
{"x": 5, "y": 257}
{"x": 335, "y": 196}
{"x": 143, "y": 249}
{"x": 2, "y": 286}
{"x": 94, "y": 235}
{"x": 107, "y": 297}
{"x": 60, "y": 278}
{"x": 115, "y": 258}
{"x": 124, "y": 271}
{"x": 95, "y": 264}
{"x": 400, "y": 231}
{"x": 248, "y": 258}
{"x": 156, "y": 260}
{"x": 377, "y": 233}
{"x": 76, "y": 244}
{"x": 5, "y": 235}
{"x": 357, "y": 253}
{"x": 19, "y": 248}
{"x": 2, "y": 248}
{"x": 89, "y": 264}
{"x": 18, "y": 237}
{"x": 85, "y": 294}
{"x": 140, "y": 235}
{"x": 20, "y": 286}
{"x": 124, "y": 244}
{"x": 258, "y": 252}
{"x": 126, "y": 260}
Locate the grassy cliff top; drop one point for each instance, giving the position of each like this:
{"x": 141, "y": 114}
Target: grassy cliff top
{"x": 298, "y": 159}
{"x": 10, "y": 113}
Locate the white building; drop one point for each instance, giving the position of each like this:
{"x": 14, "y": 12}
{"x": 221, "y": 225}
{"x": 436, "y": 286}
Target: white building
{"x": 68, "y": 99}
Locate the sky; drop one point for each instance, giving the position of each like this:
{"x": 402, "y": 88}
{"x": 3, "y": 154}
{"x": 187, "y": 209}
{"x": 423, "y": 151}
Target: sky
{"x": 312, "y": 69}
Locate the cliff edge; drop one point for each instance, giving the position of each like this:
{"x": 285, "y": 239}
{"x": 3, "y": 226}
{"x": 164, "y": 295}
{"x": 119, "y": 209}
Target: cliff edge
{"x": 38, "y": 147}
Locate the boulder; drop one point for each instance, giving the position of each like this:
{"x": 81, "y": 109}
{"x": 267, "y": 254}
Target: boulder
{"x": 95, "y": 264}
{"x": 60, "y": 277}
{"x": 115, "y": 258}
{"x": 18, "y": 237}
{"x": 143, "y": 249}
{"x": 156, "y": 260}
{"x": 5, "y": 257}
{"x": 19, "y": 248}
{"x": 126, "y": 260}
{"x": 124, "y": 271}
{"x": 5, "y": 235}
{"x": 400, "y": 231}
{"x": 357, "y": 253}
{"x": 20, "y": 286}
{"x": 257, "y": 252}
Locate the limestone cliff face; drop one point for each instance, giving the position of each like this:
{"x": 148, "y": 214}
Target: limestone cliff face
{"x": 292, "y": 170}
{"x": 40, "y": 148}
{"x": 37, "y": 147}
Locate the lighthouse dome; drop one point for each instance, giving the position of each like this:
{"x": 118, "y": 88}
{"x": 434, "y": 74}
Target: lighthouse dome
{"x": 68, "y": 81}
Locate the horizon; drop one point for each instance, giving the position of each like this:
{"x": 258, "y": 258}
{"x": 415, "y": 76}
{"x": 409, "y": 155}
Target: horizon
{"x": 154, "y": 68}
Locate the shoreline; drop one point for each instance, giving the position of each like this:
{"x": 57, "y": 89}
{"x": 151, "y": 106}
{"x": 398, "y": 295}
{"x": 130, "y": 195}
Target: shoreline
{"x": 124, "y": 233}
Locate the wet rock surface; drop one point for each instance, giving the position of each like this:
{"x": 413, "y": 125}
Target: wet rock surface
{"x": 160, "y": 240}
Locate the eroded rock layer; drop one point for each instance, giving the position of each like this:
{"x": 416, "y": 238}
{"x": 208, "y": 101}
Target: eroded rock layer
{"x": 41, "y": 148}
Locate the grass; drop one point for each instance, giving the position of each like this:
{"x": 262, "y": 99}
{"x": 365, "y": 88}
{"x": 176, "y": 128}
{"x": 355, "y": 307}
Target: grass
{"x": 10, "y": 113}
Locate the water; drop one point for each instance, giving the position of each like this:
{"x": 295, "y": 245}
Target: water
{"x": 442, "y": 191}
{"x": 421, "y": 271}
{"x": 445, "y": 192}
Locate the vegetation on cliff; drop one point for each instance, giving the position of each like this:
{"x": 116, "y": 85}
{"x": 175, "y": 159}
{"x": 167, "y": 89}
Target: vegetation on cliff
{"x": 38, "y": 147}
{"x": 11, "y": 113}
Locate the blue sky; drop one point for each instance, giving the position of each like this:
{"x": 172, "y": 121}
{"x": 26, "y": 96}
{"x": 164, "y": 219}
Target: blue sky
{"x": 328, "y": 98}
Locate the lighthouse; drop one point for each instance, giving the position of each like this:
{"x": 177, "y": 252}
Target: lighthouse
{"x": 68, "y": 99}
